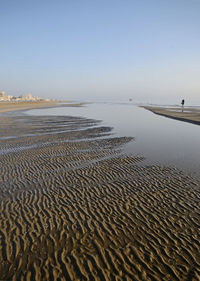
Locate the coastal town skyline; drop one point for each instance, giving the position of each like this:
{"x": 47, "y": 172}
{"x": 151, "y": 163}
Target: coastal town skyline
{"x": 23, "y": 97}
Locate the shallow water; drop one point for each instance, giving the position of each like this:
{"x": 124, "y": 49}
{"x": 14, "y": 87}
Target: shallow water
{"x": 160, "y": 140}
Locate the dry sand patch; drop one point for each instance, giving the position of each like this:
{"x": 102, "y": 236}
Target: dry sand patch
{"x": 13, "y": 106}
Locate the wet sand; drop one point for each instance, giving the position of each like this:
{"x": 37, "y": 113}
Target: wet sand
{"x": 75, "y": 207}
{"x": 187, "y": 114}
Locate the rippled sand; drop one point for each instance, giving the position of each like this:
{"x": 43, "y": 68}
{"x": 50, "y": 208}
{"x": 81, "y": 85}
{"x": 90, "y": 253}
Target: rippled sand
{"x": 74, "y": 207}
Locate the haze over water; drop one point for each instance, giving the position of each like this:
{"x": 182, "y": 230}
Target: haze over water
{"x": 160, "y": 140}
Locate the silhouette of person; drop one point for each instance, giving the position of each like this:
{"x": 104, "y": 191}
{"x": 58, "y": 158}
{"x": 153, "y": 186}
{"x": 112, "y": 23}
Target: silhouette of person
{"x": 182, "y": 103}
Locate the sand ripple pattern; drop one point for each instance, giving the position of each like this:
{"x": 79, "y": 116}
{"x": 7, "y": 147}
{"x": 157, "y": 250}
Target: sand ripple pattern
{"x": 74, "y": 207}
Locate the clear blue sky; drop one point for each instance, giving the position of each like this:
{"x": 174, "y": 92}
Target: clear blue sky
{"x": 145, "y": 49}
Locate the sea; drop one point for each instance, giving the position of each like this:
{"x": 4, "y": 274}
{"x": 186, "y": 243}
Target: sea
{"x": 160, "y": 140}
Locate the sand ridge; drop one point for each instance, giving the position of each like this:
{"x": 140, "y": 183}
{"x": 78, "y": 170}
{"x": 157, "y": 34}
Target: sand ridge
{"x": 74, "y": 207}
{"x": 186, "y": 114}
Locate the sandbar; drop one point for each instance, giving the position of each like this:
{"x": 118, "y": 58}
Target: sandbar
{"x": 186, "y": 114}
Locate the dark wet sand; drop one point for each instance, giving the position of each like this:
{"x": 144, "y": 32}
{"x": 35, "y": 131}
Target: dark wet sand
{"x": 188, "y": 114}
{"x": 74, "y": 207}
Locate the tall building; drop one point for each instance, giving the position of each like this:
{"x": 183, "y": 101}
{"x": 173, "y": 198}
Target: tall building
{"x": 2, "y": 94}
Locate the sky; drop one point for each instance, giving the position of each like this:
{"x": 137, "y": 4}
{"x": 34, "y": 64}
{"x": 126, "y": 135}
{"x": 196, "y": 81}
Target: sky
{"x": 147, "y": 50}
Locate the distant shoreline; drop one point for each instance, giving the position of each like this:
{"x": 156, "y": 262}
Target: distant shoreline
{"x": 189, "y": 115}
{"x": 16, "y": 106}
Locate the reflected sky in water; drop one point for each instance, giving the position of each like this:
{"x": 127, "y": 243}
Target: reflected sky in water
{"x": 159, "y": 139}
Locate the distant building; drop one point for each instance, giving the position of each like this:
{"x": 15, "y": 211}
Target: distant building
{"x": 9, "y": 98}
{"x": 2, "y": 94}
{"x": 28, "y": 97}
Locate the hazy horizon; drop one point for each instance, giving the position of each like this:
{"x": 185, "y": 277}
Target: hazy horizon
{"x": 145, "y": 50}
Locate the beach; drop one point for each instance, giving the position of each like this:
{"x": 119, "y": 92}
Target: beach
{"x": 186, "y": 114}
{"x": 15, "y": 106}
{"x": 74, "y": 206}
